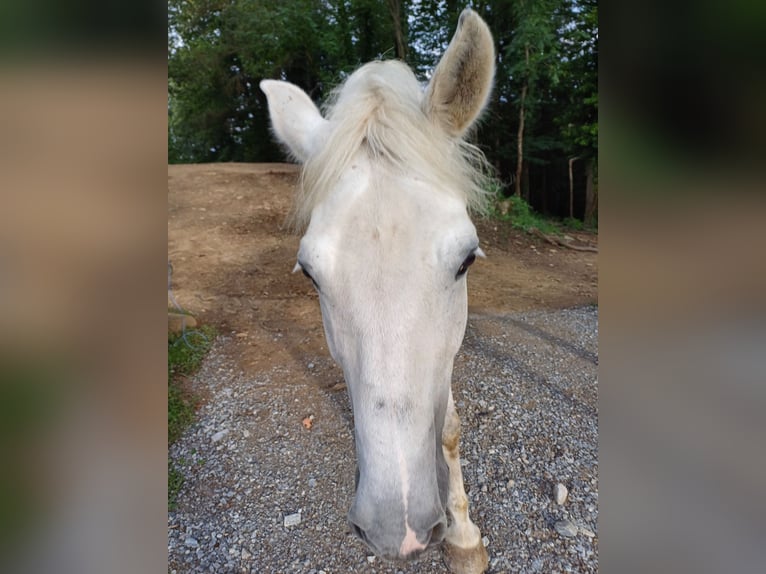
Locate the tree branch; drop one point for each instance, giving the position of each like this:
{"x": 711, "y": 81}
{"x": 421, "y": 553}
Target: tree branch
{"x": 559, "y": 242}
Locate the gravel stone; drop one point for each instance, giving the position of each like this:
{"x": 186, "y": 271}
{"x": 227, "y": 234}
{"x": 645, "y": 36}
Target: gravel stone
{"x": 560, "y": 493}
{"x": 292, "y": 519}
{"x": 525, "y": 386}
{"x": 566, "y": 528}
{"x": 191, "y": 542}
{"x": 219, "y": 435}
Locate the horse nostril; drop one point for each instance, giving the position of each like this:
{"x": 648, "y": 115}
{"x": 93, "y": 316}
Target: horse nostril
{"x": 359, "y": 532}
{"x": 437, "y": 533}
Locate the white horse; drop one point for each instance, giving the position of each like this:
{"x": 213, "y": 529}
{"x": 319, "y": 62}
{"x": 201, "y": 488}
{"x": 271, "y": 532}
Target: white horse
{"x": 384, "y": 192}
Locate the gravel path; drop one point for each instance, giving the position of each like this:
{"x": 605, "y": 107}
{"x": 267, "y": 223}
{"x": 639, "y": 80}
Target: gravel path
{"x": 526, "y": 390}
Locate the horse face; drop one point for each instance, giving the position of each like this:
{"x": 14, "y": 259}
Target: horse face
{"x": 388, "y": 266}
{"x": 384, "y": 190}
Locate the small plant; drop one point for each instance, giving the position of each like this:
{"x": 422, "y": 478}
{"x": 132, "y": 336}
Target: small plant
{"x": 175, "y": 482}
{"x": 524, "y": 217}
{"x": 573, "y": 223}
{"x": 185, "y": 354}
{"x": 521, "y": 215}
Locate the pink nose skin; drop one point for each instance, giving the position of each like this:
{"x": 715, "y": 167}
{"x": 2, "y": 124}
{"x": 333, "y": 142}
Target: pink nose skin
{"x": 410, "y": 543}
{"x": 409, "y": 547}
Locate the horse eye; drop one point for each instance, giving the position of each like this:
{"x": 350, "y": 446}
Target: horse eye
{"x": 306, "y": 273}
{"x": 465, "y": 265}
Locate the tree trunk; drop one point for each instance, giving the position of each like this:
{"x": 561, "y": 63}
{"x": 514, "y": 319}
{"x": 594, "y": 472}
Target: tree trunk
{"x": 395, "y": 7}
{"x": 498, "y": 163}
{"x": 520, "y": 135}
{"x": 525, "y": 182}
{"x": 591, "y": 194}
{"x": 571, "y": 187}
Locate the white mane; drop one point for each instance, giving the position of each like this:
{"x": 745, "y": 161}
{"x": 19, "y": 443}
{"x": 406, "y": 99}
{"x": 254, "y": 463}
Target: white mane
{"x": 379, "y": 109}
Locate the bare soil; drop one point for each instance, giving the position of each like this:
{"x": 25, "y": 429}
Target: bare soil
{"x": 232, "y": 255}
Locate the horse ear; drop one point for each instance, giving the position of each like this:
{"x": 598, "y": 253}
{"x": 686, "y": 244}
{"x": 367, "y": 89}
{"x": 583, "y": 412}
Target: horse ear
{"x": 462, "y": 81}
{"x": 294, "y": 117}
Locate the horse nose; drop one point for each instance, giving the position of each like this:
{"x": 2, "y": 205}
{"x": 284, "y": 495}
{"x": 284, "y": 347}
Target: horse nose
{"x": 409, "y": 547}
{"x": 438, "y": 533}
{"x": 361, "y": 534}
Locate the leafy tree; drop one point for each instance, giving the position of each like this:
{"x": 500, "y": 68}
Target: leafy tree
{"x": 544, "y": 106}
{"x": 578, "y": 118}
{"x": 431, "y": 24}
{"x": 532, "y": 61}
{"x": 219, "y": 50}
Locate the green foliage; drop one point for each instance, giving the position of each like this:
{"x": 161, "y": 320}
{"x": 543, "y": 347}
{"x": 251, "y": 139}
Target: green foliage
{"x": 185, "y": 354}
{"x": 532, "y": 54}
{"x": 520, "y": 215}
{"x": 432, "y": 23}
{"x": 219, "y": 50}
{"x": 180, "y": 411}
{"x": 573, "y": 223}
{"x": 183, "y": 360}
{"x": 578, "y": 118}
{"x": 549, "y": 47}
{"x": 579, "y": 225}
{"x": 175, "y": 482}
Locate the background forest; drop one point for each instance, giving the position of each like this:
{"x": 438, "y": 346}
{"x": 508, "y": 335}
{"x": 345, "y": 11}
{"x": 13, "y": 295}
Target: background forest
{"x": 541, "y": 128}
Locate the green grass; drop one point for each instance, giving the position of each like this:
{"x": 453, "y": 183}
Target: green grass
{"x": 573, "y": 223}
{"x": 175, "y": 482}
{"x": 521, "y": 216}
{"x": 578, "y": 225}
{"x": 180, "y": 411}
{"x": 185, "y": 357}
{"x": 183, "y": 360}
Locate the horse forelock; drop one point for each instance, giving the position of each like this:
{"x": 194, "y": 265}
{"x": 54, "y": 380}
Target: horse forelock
{"x": 379, "y": 110}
